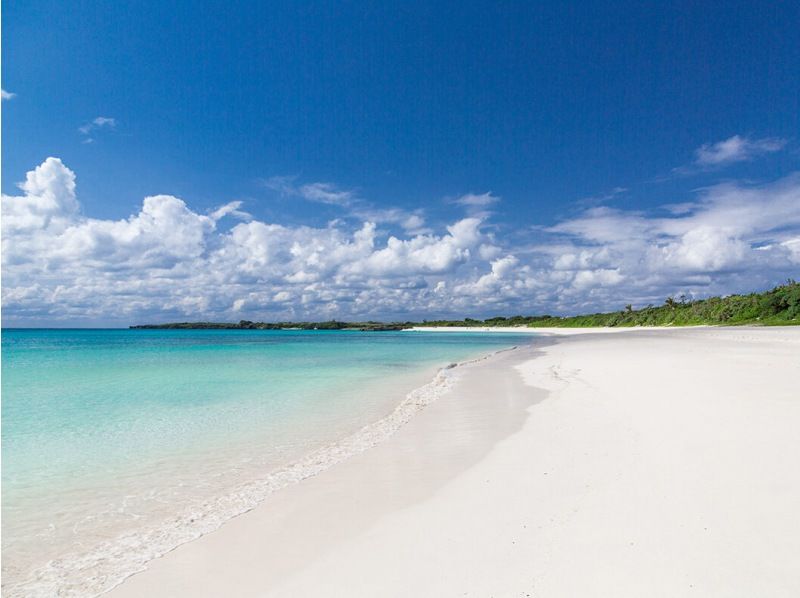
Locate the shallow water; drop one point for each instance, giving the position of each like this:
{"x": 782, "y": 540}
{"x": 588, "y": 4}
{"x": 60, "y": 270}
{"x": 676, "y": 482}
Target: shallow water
{"x": 114, "y": 440}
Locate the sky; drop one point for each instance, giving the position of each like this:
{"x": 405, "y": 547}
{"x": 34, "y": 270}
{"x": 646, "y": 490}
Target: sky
{"x": 264, "y": 161}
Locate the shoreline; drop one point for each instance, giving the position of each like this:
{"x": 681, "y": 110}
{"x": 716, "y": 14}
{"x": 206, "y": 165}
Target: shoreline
{"x": 659, "y": 464}
{"x": 470, "y": 445}
{"x": 560, "y": 331}
{"x": 139, "y": 549}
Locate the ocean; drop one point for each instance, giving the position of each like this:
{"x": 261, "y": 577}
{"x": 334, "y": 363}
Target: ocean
{"x": 118, "y": 445}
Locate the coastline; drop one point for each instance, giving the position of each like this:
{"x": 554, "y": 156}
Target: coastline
{"x": 659, "y": 464}
{"x": 554, "y": 331}
{"x": 118, "y": 558}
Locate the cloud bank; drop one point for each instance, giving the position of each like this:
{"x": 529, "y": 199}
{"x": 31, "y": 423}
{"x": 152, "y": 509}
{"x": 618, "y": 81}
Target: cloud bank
{"x": 168, "y": 262}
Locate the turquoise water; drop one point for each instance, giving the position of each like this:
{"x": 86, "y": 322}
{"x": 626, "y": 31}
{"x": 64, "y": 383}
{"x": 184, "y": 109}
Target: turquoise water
{"x": 115, "y": 434}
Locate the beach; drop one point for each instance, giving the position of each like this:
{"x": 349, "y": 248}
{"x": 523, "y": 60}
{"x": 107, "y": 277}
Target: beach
{"x": 152, "y": 438}
{"x": 648, "y": 462}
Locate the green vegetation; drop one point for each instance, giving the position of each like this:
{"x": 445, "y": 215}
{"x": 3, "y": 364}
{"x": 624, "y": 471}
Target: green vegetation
{"x": 496, "y": 321}
{"x": 248, "y": 325}
{"x": 780, "y": 306}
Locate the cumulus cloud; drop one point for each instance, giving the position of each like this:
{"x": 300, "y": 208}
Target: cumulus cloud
{"x": 7, "y": 95}
{"x": 167, "y": 261}
{"x": 411, "y": 221}
{"x": 48, "y": 202}
{"x": 422, "y": 254}
{"x": 734, "y": 237}
{"x": 735, "y": 149}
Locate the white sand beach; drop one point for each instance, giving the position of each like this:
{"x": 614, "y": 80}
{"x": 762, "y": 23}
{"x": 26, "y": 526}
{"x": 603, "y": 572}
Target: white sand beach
{"x": 634, "y": 463}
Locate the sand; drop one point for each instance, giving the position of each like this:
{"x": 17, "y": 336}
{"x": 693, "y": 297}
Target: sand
{"x": 639, "y": 463}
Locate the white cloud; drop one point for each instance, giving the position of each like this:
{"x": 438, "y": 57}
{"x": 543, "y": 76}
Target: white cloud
{"x": 100, "y": 122}
{"x": 7, "y": 95}
{"x": 319, "y": 192}
{"x": 595, "y": 200}
{"x": 167, "y": 261}
{"x": 422, "y": 254}
{"x": 326, "y": 193}
{"x": 48, "y": 203}
{"x": 477, "y": 200}
{"x": 477, "y": 204}
{"x": 735, "y": 149}
{"x": 585, "y": 279}
{"x": 735, "y": 237}
{"x": 231, "y": 208}
{"x": 792, "y": 246}
{"x": 411, "y": 221}
{"x": 282, "y": 184}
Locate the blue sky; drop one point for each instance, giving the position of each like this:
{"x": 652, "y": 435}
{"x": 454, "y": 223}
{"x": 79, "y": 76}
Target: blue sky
{"x": 323, "y": 117}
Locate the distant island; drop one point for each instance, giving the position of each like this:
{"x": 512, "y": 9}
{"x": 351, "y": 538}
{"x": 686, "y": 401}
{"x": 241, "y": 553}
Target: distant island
{"x": 248, "y": 325}
{"x": 777, "y": 307}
